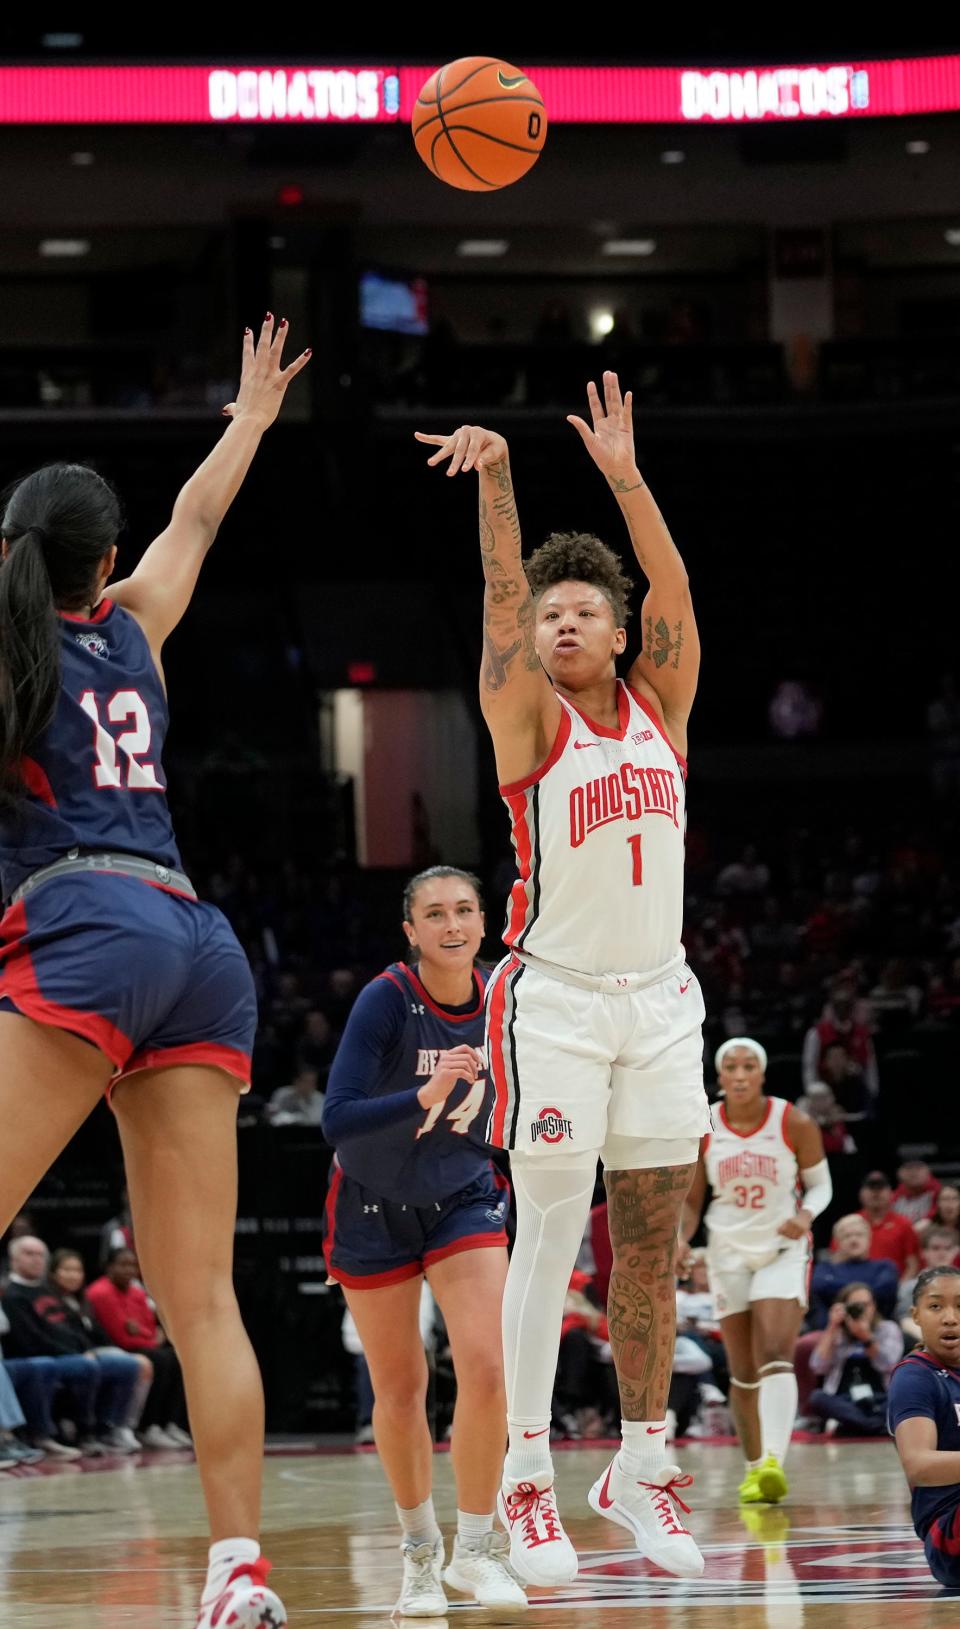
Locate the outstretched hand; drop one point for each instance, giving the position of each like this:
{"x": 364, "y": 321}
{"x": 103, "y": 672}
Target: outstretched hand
{"x": 263, "y": 382}
{"x": 610, "y": 442}
{"x": 470, "y": 446}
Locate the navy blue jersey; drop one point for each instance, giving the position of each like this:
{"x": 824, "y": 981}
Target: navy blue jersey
{"x": 383, "y": 1136}
{"x": 95, "y": 778}
{"x": 919, "y": 1386}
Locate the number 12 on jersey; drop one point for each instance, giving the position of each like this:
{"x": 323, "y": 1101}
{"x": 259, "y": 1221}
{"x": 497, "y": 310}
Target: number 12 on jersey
{"x": 635, "y": 843}
{"x": 123, "y": 705}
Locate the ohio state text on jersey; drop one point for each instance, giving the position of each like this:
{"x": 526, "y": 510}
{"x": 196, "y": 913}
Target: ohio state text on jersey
{"x": 598, "y": 832}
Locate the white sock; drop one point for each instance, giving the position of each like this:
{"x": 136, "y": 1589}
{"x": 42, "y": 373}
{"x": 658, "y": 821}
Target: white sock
{"x": 553, "y": 1202}
{"x": 471, "y": 1527}
{"x": 643, "y": 1446}
{"x": 778, "y": 1410}
{"x": 419, "y": 1524}
{"x": 225, "y": 1556}
{"x": 754, "y": 1464}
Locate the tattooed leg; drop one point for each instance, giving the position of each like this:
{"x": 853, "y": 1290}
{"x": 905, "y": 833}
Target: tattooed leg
{"x": 643, "y": 1211}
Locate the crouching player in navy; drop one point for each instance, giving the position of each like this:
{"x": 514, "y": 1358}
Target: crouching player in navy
{"x": 413, "y": 1192}
{"x": 924, "y": 1415}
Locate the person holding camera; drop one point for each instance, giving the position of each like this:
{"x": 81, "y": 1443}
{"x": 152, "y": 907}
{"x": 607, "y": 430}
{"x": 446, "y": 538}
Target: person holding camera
{"x": 855, "y": 1355}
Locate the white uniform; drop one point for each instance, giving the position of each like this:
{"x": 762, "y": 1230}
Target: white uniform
{"x": 755, "y": 1180}
{"x": 593, "y": 1018}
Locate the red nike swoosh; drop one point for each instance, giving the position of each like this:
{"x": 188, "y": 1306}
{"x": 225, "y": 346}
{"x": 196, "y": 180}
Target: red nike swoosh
{"x": 578, "y": 746}
{"x": 602, "y": 1499}
{"x": 685, "y": 987}
{"x": 536, "y": 1433}
{"x": 652, "y": 1430}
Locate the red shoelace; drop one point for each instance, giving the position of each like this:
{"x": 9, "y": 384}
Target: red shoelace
{"x": 528, "y": 1504}
{"x": 662, "y": 1501}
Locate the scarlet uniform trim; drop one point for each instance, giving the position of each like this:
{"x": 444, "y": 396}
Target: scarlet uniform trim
{"x": 376, "y": 1281}
{"x": 783, "y": 1127}
{"x": 330, "y": 1211}
{"x": 500, "y": 1087}
{"x": 18, "y": 982}
{"x": 36, "y": 781}
{"x": 642, "y": 701}
{"x": 559, "y": 742}
{"x": 744, "y": 1134}
{"x": 623, "y": 716}
{"x": 100, "y": 614}
{"x": 470, "y": 1241}
{"x": 211, "y": 1053}
{"x": 423, "y": 994}
{"x": 518, "y": 901}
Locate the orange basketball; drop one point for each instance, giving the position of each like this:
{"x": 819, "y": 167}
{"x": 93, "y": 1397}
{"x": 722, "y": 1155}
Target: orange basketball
{"x": 479, "y": 124}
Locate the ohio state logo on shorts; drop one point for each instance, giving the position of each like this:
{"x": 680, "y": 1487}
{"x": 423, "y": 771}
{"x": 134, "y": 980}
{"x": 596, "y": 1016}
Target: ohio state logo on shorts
{"x": 551, "y": 1126}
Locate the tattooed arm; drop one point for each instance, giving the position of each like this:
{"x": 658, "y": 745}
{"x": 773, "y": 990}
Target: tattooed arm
{"x": 667, "y": 668}
{"x": 518, "y": 702}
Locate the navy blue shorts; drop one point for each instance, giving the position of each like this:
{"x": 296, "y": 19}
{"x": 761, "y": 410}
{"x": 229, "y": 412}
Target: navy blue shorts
{"x": 369, "y": 1242}
{"x": 942, "y": 1545}
{"x": 149, "y": 976}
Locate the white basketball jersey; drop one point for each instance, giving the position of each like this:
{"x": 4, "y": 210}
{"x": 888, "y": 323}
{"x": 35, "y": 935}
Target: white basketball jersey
{"x": 599, "y": 832}
{"x": 754, "y": 1178}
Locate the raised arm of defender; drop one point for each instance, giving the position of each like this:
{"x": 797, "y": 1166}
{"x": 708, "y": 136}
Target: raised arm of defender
{"x": 516, "y": 697}
{"x": 669, "y": 663}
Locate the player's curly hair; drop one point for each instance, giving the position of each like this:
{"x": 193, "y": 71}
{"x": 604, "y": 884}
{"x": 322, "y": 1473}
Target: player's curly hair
{"x": 580, "y": 557}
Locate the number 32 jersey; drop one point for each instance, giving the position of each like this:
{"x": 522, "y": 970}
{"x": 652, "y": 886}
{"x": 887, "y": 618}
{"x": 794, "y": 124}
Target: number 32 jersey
{"x": 598, "y": 832}
{"x": 754, "y": 1179}
{"x": 95, "y": 779}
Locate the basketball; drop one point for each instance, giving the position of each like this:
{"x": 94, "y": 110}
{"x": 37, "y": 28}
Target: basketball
{"x": 479, "y": 124}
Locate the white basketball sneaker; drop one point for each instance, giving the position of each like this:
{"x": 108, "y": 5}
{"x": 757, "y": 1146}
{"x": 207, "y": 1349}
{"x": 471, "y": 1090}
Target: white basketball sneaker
{"x": 540, "y": 1552}
{"x": 245, "y": 1602}
{"x": 480, "y": 1569}
{"x": 422, "y": 1593}
{"x": 649, "y": 1509}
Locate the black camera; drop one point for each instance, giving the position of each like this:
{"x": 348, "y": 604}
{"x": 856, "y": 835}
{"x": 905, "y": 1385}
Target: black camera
{"x": 856, "y": 1310}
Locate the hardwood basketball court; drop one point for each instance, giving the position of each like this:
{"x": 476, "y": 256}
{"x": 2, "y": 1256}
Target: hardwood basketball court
{"x": 121, "y": 1546}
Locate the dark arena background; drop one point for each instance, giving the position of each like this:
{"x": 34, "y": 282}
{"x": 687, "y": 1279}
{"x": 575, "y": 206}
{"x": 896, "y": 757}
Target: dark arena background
{"x": 769, "y": 256}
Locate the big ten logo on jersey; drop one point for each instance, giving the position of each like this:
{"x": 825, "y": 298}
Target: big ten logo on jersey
{"x": 551, "y": 1126}
{"x": 460, "y": 1118}
{"x": 627, "y": 793}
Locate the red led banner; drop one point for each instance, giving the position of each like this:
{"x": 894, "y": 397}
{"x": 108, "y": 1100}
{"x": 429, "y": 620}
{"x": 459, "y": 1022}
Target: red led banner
{"x": 367, "y": 95}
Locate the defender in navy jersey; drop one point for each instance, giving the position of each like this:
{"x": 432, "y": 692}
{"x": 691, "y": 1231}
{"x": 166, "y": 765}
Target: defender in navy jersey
{"x": 413, "y": 1192}
{"x": 923, "y": 1411}
{"x": 112, "y": 973}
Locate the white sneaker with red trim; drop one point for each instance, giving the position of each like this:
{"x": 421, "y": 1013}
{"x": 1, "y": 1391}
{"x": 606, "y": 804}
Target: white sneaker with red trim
{"x": 650, "y": 1510}
{"x": 245, "y": 1602}
{"x": 540, "y": 1552}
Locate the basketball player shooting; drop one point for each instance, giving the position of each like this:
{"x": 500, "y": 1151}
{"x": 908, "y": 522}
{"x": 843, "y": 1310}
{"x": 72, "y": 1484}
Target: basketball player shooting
{"x": 593, "y": 1018}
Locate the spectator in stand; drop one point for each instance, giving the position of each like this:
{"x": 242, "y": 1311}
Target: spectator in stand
{"x": 849, "y": 1263}
{"x": 894, "y": 999}
{"x": 13, "y": 1452}
{"x": 697, "y": 1316}
{"x": 300, "y": 1103}
{"x": 822, "y": 1107}
{"x": 119, "y": 1230}
{"x": 837, "y": 1022}
{"x": 847, "y": 1082}
{"x": 892, "y": 1238}
{"x": 773, "y": 935}
{"x": 131, "y": 1372}
{"x": 123, "y": 1309}
{"x": 319, "y": 1044}
{"x": 748, "y": 875}
{"x": 855, "y": 1355}
{"x": 939, "y": 1250}
{"x": 55, "y": 1359}
{"x": 916, "y": 1193}
{"x": 945, "y": 1213}
{"x": 340, "y": 995}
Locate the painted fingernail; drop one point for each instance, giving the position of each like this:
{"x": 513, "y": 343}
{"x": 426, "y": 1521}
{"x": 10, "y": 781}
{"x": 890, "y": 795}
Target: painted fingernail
{"x": 283, "y": 322}
{"x": 268, "y": 317}
{"x": 248, "y": 331}
{"x": 308, "y": 351}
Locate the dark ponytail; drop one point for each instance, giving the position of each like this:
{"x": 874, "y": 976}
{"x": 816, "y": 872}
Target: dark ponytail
{"x": 58, "y": 524}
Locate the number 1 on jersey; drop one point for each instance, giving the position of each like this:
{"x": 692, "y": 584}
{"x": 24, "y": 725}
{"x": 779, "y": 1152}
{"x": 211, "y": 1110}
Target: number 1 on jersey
{"x": 636, "y": 844}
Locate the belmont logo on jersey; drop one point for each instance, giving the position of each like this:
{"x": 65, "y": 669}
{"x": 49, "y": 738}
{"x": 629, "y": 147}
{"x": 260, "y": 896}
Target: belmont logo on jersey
{"x": 428, "y": 1058}
{"x": 624, "y": 794}
{"x": 747, "y": 1165}
{"x": 93, "y": 643}
{"x": 551, "y": 1125}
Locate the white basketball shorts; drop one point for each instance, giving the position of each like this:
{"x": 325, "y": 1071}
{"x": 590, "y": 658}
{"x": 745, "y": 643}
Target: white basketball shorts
{"x": 736, "y": 1282}
{"x": 571, "y": 1065}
